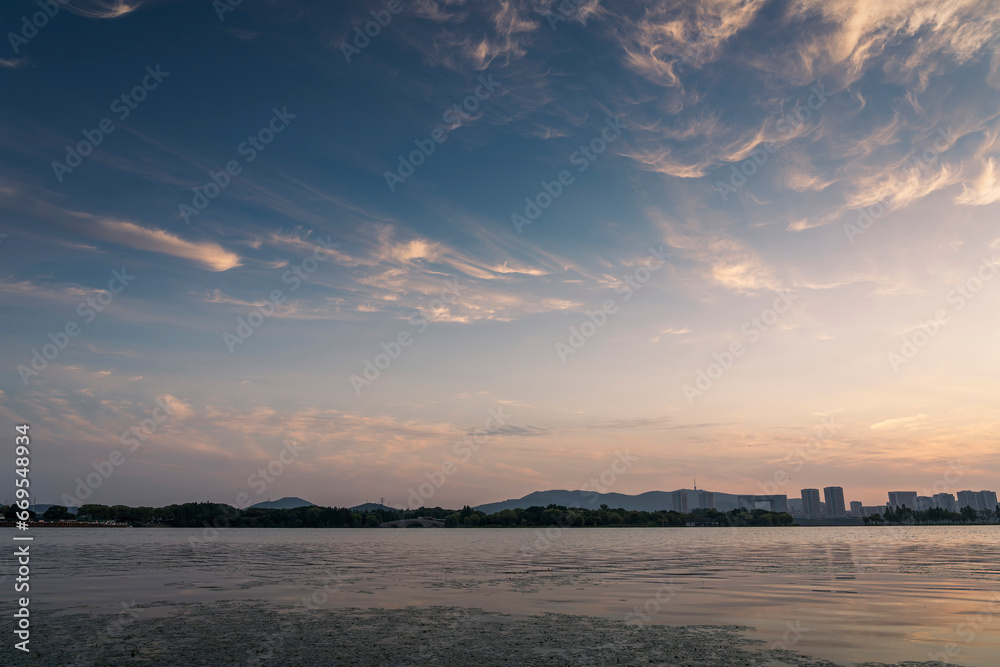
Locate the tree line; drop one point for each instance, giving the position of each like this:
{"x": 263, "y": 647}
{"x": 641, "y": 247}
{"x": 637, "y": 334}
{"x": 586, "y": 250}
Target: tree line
{"x": 906, "y": 515}
{"x": 198, "y": 515}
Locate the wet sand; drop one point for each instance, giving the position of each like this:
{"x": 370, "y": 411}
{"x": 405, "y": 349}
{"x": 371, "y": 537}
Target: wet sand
{"x": 255, "y": 632}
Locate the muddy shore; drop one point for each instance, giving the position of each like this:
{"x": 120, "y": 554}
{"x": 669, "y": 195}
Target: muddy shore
{"x": 258, "y": 633}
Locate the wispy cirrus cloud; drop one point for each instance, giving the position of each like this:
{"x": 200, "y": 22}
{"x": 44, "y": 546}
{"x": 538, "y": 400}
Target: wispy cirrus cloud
{"x": 898, "y": 423}
{"x": 982, "y": 189}
{"x": 30, "y": 290}
{"x": 105, "y": 9}
{"x": 207, "y": 254}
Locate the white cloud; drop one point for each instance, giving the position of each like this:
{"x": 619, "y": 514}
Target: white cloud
{"x": 209, "y": 255}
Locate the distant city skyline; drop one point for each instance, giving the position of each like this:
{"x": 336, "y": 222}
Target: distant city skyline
{"x": 686, "y": 499}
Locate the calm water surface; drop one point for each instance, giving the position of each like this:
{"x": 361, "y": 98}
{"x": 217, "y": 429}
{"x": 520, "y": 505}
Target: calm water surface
{"x": 850, "y": 593}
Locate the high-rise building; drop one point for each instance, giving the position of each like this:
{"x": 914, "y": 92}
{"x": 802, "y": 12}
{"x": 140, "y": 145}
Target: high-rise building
{"x": 775, "y": 503}
{"x": 706, "y": 499}
{"x": 968, "y": 499}
{"x": 901, "y": 498}
{"x": 779, "y": 503}
{"x": 868, "y": 510}
{"x": 810, "y": 502}
{"x": 945, "y": 501}
{"x": 834, "y": 496}
{"x": 924, "y": 503}
{"x": 977, "y": 500}
{"x": 856, "y": 508}
{"x": 679, "y": 501}
{"x": 988, "y": 501}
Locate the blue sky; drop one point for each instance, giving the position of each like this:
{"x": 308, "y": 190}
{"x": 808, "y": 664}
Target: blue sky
{"x": 834, "y": 161}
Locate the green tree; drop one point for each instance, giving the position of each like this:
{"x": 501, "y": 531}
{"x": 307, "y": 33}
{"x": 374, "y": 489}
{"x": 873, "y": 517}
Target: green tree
{"x": 94, "y": 512}
{"x": 55, "y": 513}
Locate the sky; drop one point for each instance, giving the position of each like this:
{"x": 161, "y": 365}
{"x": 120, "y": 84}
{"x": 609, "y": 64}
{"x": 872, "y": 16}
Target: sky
{"x": 462, "y": 251}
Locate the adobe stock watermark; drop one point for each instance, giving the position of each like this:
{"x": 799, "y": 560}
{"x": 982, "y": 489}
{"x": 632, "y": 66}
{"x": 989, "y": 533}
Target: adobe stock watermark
{"x": 122, "y": 106}
{"x": 463, "y": 450}
{"x": 88, "y": 310}
{"x": 453, "y": 116}
{"x": 791, "y": 636}
{"x": 692, "y": 50}
{"x": 582, "y": 158}
{"x": 579, "y": 335}
{"x": 874, "y": 212}
{"x": 223, "y": 7}
{"x": 873, "y": 556}
{"x": 955, "y": 472}
{"x": 259, "y": 480}
{"x": 751, "y": 330}
{"x": 642, "y": 615}
{"x": 967, "y": 631}
{"x": 381, "y": 18}
{"x": 876, "y": 555}
{"x": 911, "y": 343}
{"x": 245, "y": 327}
{"x": 787, "y": 126}
{"x": 453, "y": 632}
{"x": 319, "y": 597}
{"x": 797, "y": 459}
{"x": 249, "y": 148}
{"x": 566, "y": 11}
{"x": 601, "y": 483}
{"x": 37, "y": 21}
{"x": 266, "y": 475}
{"x": 392, "y": 350}
{"x": 125, "y": 617}
{"x": 105, "y": 468}
{"x": 113, "y": 631}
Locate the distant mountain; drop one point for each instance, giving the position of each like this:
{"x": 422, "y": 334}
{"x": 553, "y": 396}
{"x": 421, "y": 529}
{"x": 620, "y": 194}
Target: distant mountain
{"x": 682, "y": 500}
{"x": 372, "y": 507}
{"x": 651, "y": 501}
{"x": 282, "y": 504}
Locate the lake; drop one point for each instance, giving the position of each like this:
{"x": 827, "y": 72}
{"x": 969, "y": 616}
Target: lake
{"x": 847, "y": 594}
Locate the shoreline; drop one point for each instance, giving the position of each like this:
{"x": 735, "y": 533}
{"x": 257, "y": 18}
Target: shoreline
{"x": 255, "y": 632}
{"x": 84, "y": 524}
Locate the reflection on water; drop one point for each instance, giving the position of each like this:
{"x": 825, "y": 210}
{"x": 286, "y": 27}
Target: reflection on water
{"x": 843, "y": 593}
